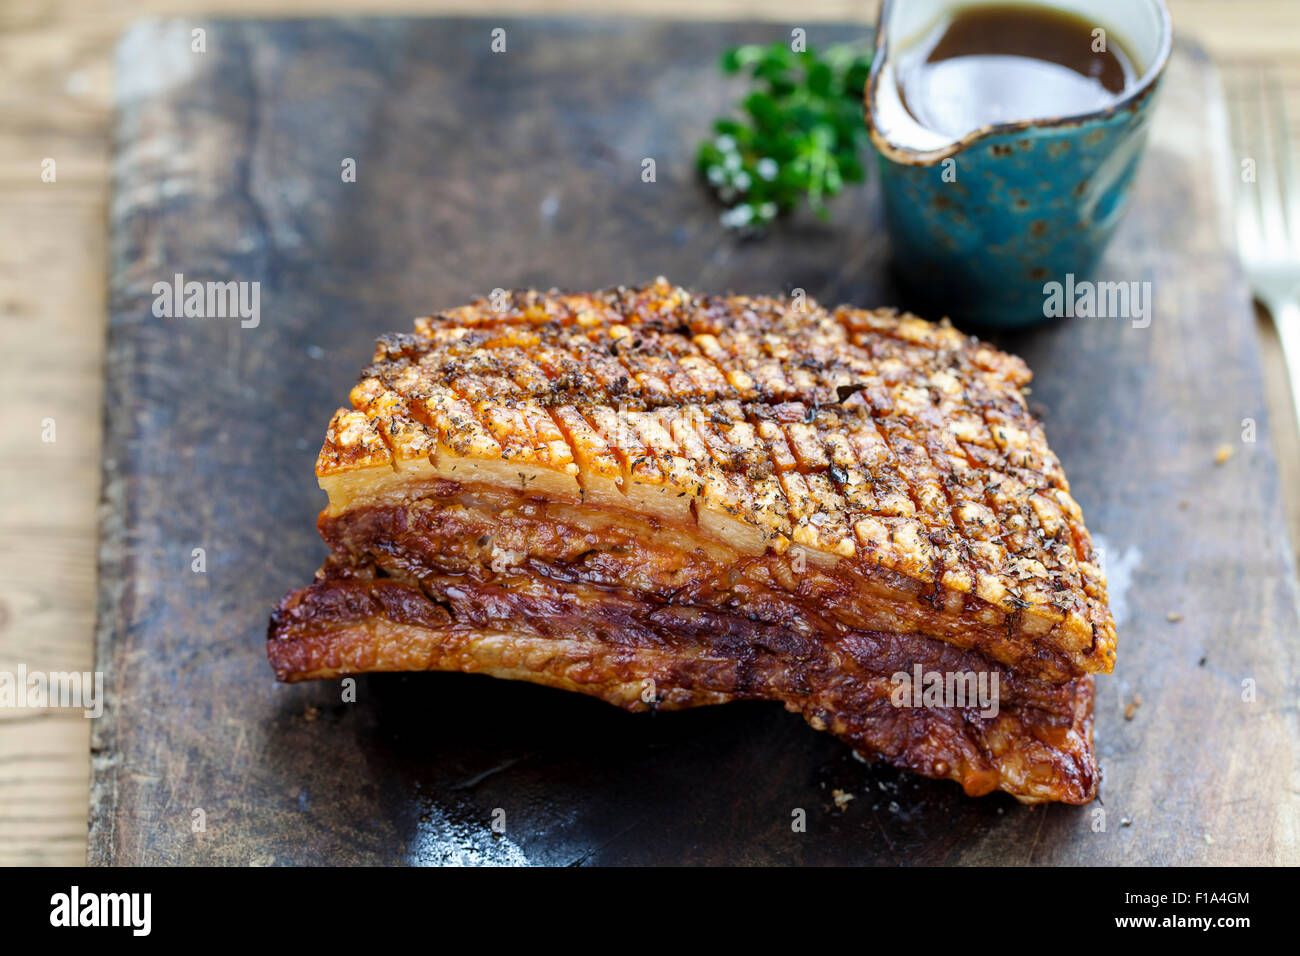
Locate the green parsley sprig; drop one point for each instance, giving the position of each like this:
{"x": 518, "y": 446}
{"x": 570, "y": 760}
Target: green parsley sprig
{"x": 800, "y": 136}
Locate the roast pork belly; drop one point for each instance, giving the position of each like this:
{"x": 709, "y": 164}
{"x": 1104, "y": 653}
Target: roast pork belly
{"x": 667, "y": 500}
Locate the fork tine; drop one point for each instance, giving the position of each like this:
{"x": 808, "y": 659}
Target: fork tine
{"x": 1270, "y": 170}
{"x": 1287, "y": 176}
{"x": 1250, "y": 227}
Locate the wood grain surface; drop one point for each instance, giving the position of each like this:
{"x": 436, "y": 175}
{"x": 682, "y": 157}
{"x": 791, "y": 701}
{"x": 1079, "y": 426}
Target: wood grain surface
{"x": 477, "y": 170}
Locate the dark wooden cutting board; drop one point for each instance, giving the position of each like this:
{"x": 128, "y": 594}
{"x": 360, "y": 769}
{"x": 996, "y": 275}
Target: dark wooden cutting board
{"x": 476, "y": 170}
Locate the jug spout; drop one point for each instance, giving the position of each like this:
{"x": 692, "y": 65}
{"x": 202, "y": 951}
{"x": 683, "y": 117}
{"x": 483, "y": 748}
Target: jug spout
{"x": 894, "y": 130}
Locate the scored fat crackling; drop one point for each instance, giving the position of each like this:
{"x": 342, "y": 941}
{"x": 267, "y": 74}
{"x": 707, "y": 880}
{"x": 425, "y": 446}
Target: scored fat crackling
{"x": 666, "y": 500}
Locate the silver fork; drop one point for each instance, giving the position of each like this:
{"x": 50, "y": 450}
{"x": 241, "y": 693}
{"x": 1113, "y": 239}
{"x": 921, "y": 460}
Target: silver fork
{"x": 1268, "y": 211}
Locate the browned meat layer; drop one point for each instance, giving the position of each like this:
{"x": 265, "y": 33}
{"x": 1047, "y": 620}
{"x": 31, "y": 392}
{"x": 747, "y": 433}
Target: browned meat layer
{"x": 527, "y": 545}
{"x": 1037, "y": 747}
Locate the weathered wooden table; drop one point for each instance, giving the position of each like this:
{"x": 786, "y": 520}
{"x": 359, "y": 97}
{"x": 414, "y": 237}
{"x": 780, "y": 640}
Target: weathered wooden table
{"x": 477, "y": 170}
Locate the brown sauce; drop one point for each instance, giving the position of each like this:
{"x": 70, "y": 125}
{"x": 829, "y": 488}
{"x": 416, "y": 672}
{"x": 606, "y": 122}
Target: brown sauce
{"x": 1001, "y": 63}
